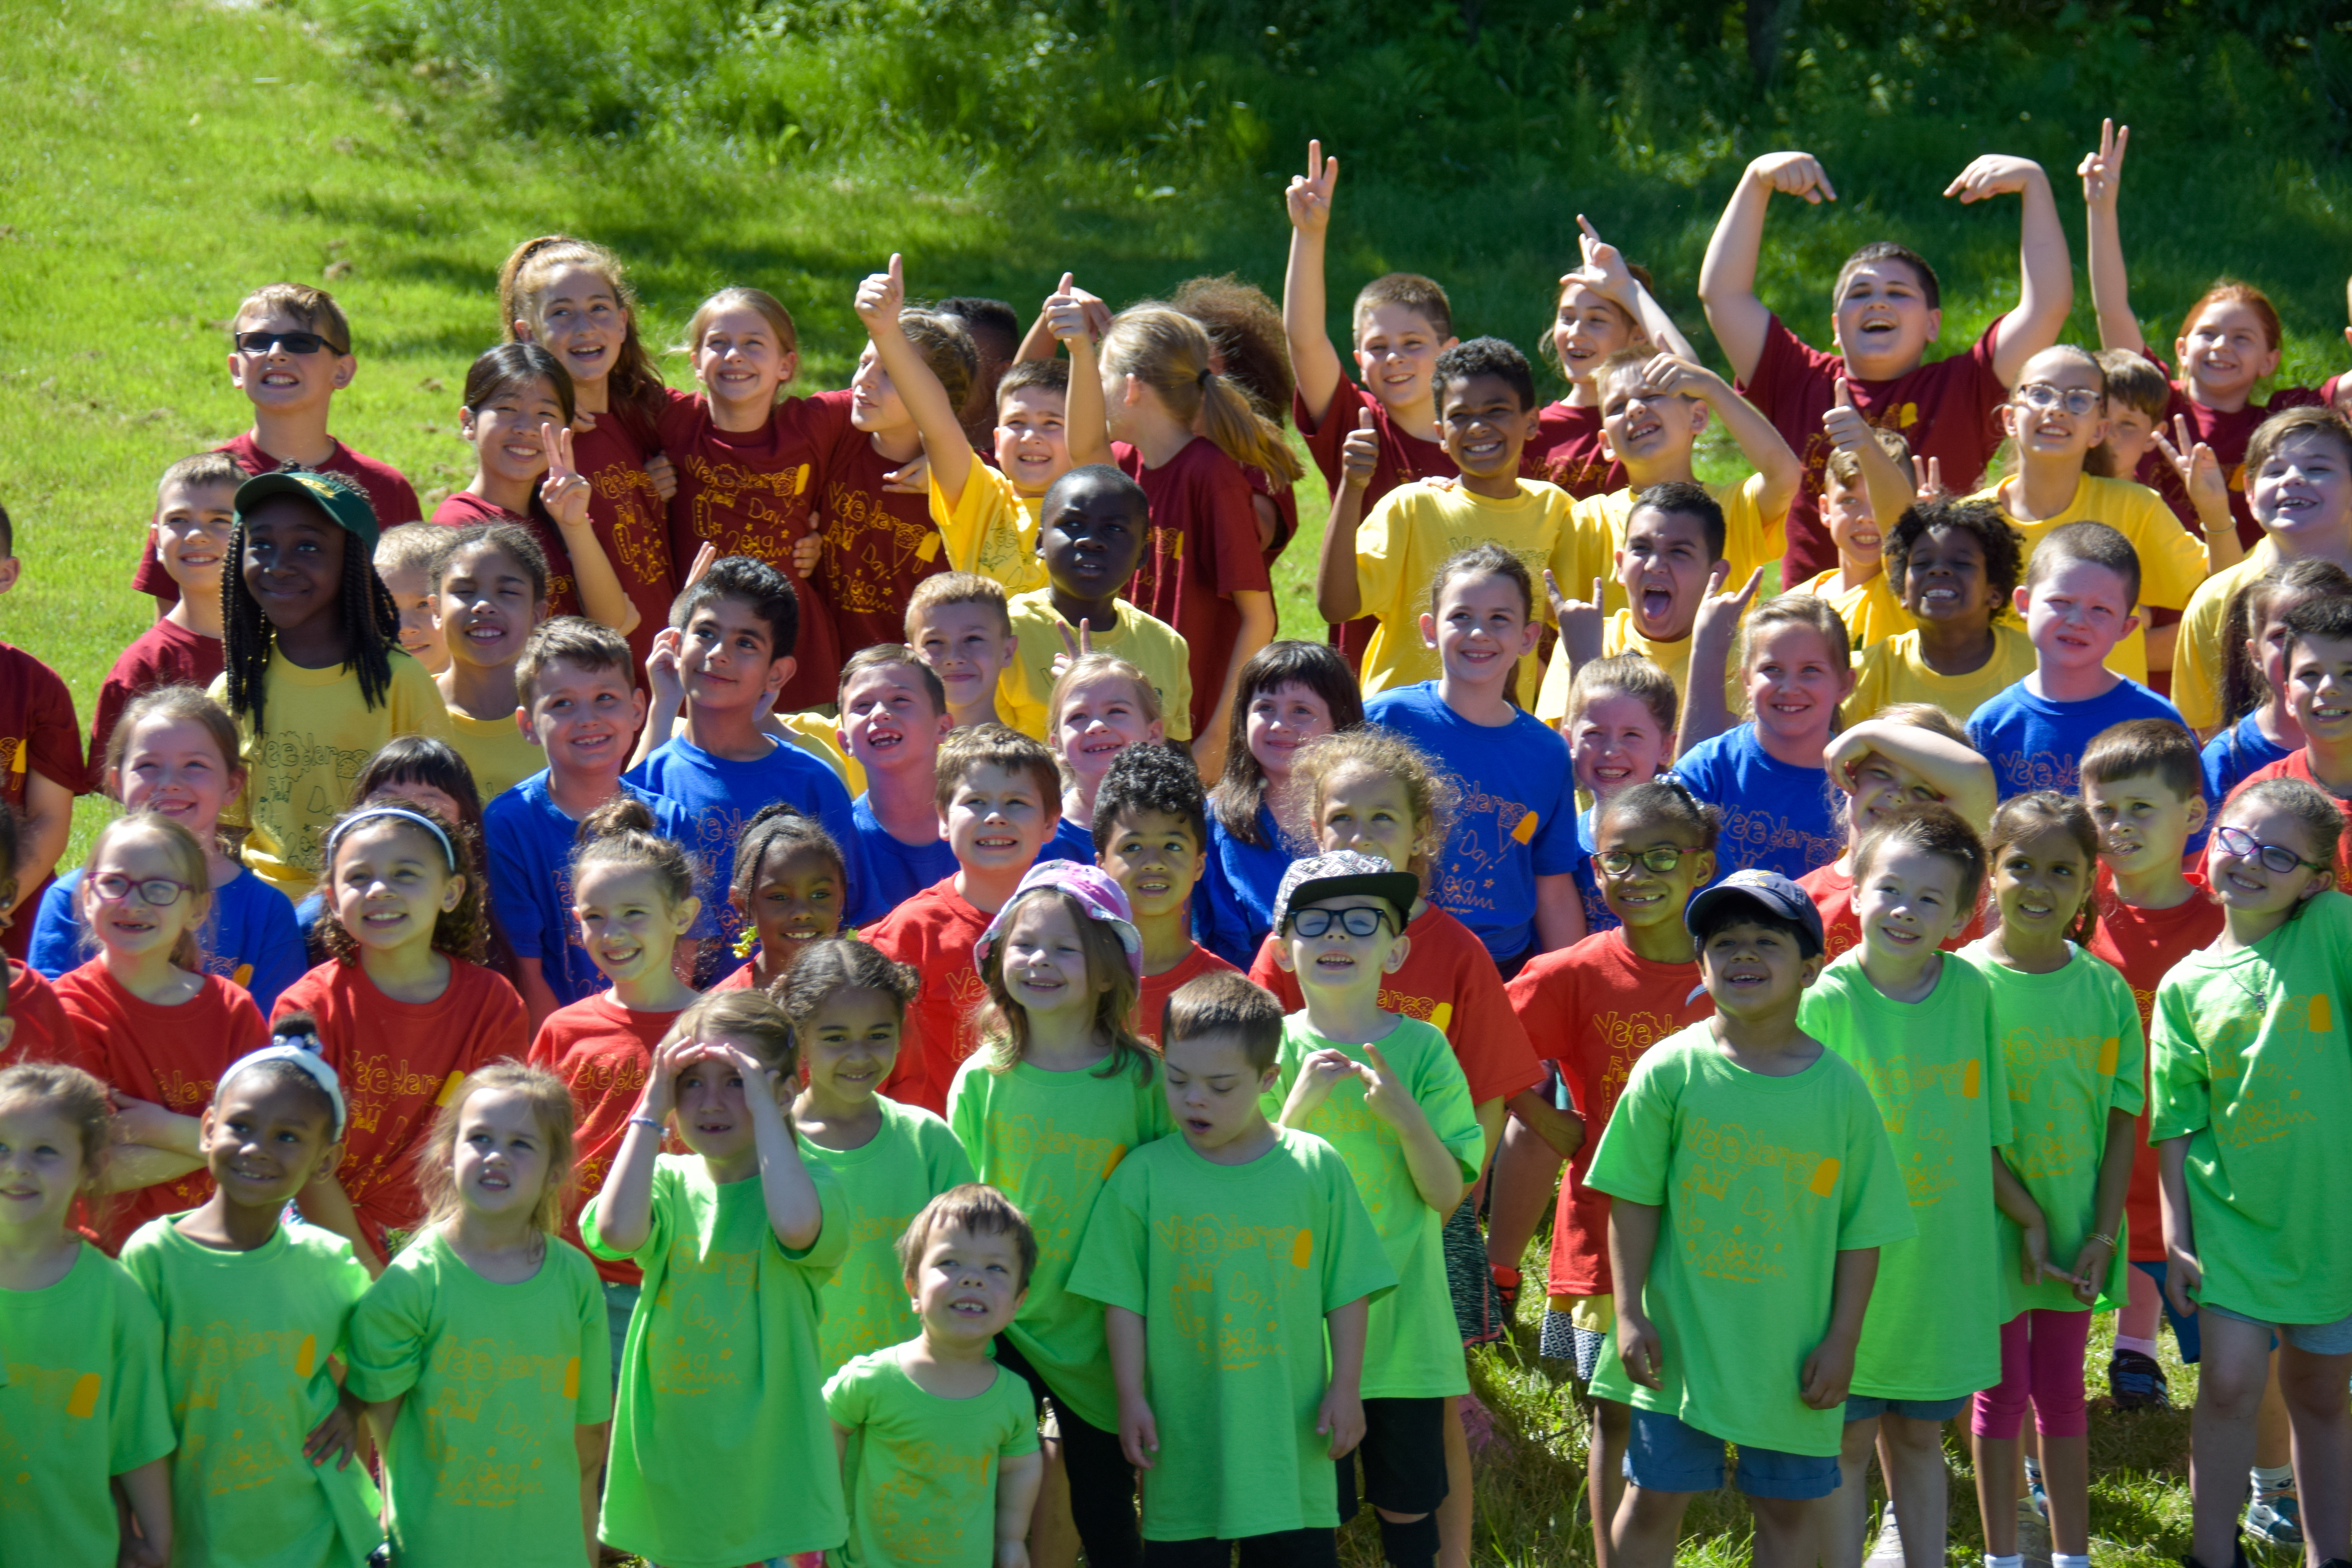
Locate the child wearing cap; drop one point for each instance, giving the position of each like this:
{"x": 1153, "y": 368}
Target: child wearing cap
{"x": 1775, "y": 1229}
{"x": 315, "y": 676}
{"x": 1387, "y": 1092}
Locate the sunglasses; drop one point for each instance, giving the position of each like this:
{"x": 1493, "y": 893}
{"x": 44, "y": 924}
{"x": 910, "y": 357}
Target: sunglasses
{"x": 292, "y": 343}
{"x": 1355, "y": 921}
{"x": 2075, "y": 400}
{"x": 155, "y": 892}
{"x": 1659, "y": 861}
{"x": 2275, "y": 857}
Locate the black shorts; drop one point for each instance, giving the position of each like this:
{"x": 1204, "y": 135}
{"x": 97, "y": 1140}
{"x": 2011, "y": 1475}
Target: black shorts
{"x": 1403, "y": 1454}
{"x": 1285, "y": 1548}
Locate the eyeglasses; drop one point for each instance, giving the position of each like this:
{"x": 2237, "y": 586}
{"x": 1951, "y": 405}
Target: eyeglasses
{"x": 155, "y": 892}
{"x": 1357, "y": 921}
{"x": 2075, "y": 400}
{"x": 292, "y": 343}
{"x": 2275, "y": 857}
{"x": 1660, "y": 861}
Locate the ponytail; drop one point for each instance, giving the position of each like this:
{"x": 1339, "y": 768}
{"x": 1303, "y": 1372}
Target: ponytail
{"x": 1169, "y": 352}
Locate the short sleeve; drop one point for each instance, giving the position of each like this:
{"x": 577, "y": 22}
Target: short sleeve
{"x": 1237, "y": 564}
{"x": 1444, "y": 1092}
{"x": 53, "y": 735}
{"x": 594, "y": 1404}
{"x": 824, "y": 1255}
{"x": 140, "y": 1413}
{"x": 2181, "y": 1093}
{"x": 1584, "y": 550}
{"x": 849, "y": 1393}
{"x": 1870, "y": 679}
{"x": 510, "y": 880}
{"x": 1636, "y": 1146}
{"x": 2172, "y": 560}
{"x": 988, "y": 531}
{"x": 945, "y": 1162}
{"x": 2130, "y": 1093}
{"x": 56, "y": 946}
{"x": 1355, "y": 1263}
{"x": 415, "y": 702}
{"x": 1111, "y": 1266}
{"x": 277, "y": 957}
{"x": 389, "y": 1331}
{"x": 1020, "y": 1410}
{"x": 1383, "y": 545}
{"x": 1553, "y": 848}
{"x": 1179, "y": 713}
{"x": 1999, "y": 1119}
{"x": 667, "y": 1199}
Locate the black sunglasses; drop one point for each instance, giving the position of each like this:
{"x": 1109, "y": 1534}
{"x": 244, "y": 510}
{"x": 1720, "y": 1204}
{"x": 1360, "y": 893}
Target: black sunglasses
{"x": 292, "y": 343}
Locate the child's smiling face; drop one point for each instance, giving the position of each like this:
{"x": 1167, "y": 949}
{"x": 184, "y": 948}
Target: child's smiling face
{"x": 1614, "y": 742}
{"x": 2226, "y": 349}
{"x": 1032, "y": 445}
{"x": 488, "y": 605}
{"x": 2242, "y": 882}
{"x": 887, "y": 722}
{"x": 727, "y": 657}
{"x": 874, "y": 401}
{"x": 127, "y": 924}
{"x": 1881, "y": 318}
{"x": 967, "y": 1285}
{"x": 1944, "y": 579}
{"x": 277, "y": 379}
{"x": 412, "y": 590}
{"x": 1639, "y": 896}
{"x": 1102, "y": 716}
{"x": 192, "y": 528}
{"x": 1587, "y": 329}
{"x": 2040, "y": 882}
{"x": 293, "y": 563}
{"x": 967, "y": 646}
{"x": 997, "y": 819}
{"x": 1853, "y": 526}
{"x": 1281, "y": 720}
{"x": 581, "y": 323}
{"x": 1481, "y": 628}
{"x": 1906, "y": 900}
{"x": 626, "y": 920}
{"x": 1643, "y": 426}
{"x": 2052, "y": 428}
{"x": 2303, "y": 492}
{"x": 2319, "y": 690}
{"x": 1753, "y": 970}
{"x": 1396, "y": 353}
{"x": 264, "y": 1138}
{"x": 740, "y": 360}
{"x": 1483, "y": 424}
{"x": 1875, "y": 785}
{"x": 43, "y": 1167}
{"x": 1044, "y": 959}
{"x": 851, "y": 1044}
{"x": 1795, "y": 680}
{"x": 1335, "y": 960}
{"x": 714, "y": 1112}
{"x": 174, "y": 767}
{"x": 1155, "y": 858}
{"x": 391, "y": 883}
{"x": 585, "y": 719}
{"x": 505, "y": 431}
{"x": 2075, "y": 613}
{"x": 795, "y": 901}
{"x": 1369, "y": 812}
{"x": 1664, "y": 568}
{"x": 1092, "y": 536}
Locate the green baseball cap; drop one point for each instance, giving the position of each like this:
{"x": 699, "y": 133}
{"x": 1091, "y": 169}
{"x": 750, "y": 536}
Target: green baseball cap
{"x": 344, "y": 502}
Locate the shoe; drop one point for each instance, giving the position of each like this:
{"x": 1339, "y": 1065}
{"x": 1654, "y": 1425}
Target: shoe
{"x": 1507, "y": 1284}
{"x": 2035, "y": 1493}
{"x": 1886, "y": 1547}
{"x": 2136, "y": 1382}
{"x": 2275, "y": 1520}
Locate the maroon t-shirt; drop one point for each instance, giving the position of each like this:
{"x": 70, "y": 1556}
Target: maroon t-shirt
{"x": 2228, "y": 434}
{"x": 38, "y": 735}
{"x": 1404, "y": 458}
{"x": 631, "y": 520}
{"x": 1945, "y": 409}
{"x": 164, "y": 654}
{"x": 879, "y": 544}
{"x": 388, "y": 491}
{"x": 1567, "y": 450}
{"x": 464, "y": 509}
{"x": 1203, "y": 550}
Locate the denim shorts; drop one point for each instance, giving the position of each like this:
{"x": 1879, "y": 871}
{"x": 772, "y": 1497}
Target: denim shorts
{"x": 1668, "y": 1455}
{"x": 1869, "y": 1407}
{"x": 2311, "y": 1339}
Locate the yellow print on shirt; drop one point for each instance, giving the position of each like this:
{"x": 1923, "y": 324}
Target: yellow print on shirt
{"x": 1624, "y": 1037}
{"x": 926, "y": 1480}
{"x": 2058, "y": 1128}
{"x": 1222, "y": 1285}
{"x": 637, "y": 548}
{"x": 868, "y": 549}
{"x": 1055, "y": 1175}
{"x": 370, "y": 1080}
{"x": 746, "y": 510}
{"x": 260, "y": 1446}
{"x": 2252, "y": 1065}
{"x": 1738, "y": 1190}
{"x": 1477, "y": 853}
{"x": 1758, "y": 832}
{"x": 51, "y": 1388}
{"x": 704, "y": 1295}
{"x": 1367, "y": 1145}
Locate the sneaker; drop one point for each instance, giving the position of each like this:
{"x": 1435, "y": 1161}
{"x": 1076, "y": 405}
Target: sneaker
{"x": 1886, "y": 1547}
{"x": 2035, "y": 1493}
{"x": 2275, "y": 1520}
{"x": 2136, "y": 1382}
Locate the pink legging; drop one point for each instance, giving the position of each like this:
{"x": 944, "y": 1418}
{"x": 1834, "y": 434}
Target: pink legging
{"x": 2040, "y": 1360}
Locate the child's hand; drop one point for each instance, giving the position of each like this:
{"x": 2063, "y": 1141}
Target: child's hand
{"x": 1793, "y": 174}
{"x": 2091, "y": 1265}
{"x": 2102, "y": 171}
{"x": 1563, "y": 1130}
{"x": 1012, "y": 1555}
{"x": 664, "y": 477}
{"x": 1604, "y": 269}
{"x": 1360, "y": 454}
{"x": 137, "y": 1552}
{"x": 1639, "y": 1347}
{"x": 2199, "y": 472}
{"x": 881, "y": 296}
{"x": 756, "y": 1074}
{"x": 2184, "y": 1278}
{"x": 2034, "y": 1265}
{"x": 1385, "y": 1095}
{"x": 1670, "y": 375}
{"x": 1993, "y": 175}
{"x": 1072, "y": 315}
{"x": 663, "y": 683}
{"x": 1317, "y": 1074}
{"x": 1717, "y": 621}
{"x": 1309, "y": 196}
{"x": 1843, "y": 423}
{"x": 1828, "y": 1375}
{"x": 1581, "y": 622}
{"x": 1139, "y": 1433}
{"x": 142, "y": 1121}
{"x": 660, "y": 1098}
{"x": 338, "y": 1436}
{"x": 1341, "y": 1418}
{"x": 911, "y": 478}
{"x": 564, "y": 491}
{"x": 703, "y": 558}
{"x": 1928, "y": 478}
{"x": 1073, "y": 650}
{"x": 807, "y": 551}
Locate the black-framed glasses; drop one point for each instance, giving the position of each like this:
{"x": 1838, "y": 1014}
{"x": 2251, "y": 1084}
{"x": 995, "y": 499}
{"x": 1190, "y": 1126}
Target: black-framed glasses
{"x": 1658, "y": 861}
{"x": 155, "y": 892}
{"x": 2275, "y": 857}
{"x": 1358, "y": 922}
{"x": 2075, "y": 400}
{"x": 292, "y": 343}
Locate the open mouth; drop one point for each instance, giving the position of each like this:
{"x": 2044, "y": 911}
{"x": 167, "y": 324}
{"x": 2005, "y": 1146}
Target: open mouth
{"x": 1642, "y": 899}
{"x": 1334, "y": 963}
{"x": 1199, "y": 1126}
{"x": 967, "y": 1307}
{"x": 1485, "y": 449}
{"x": 492, "y": 1182}
{"x": 996, "y": 844}
{"x": 383, "y": 920}
{"x": 280, "y": 378}
{"x": 1656, "y": 604}
{"x": 1865, "y": 541}
{"x": 1898, "y": 937}
{"x": 1879, "y": 328}
{"x": 1153, "y": 889}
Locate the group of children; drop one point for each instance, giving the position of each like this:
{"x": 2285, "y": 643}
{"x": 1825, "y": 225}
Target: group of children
{"x": 669, "y": 1010}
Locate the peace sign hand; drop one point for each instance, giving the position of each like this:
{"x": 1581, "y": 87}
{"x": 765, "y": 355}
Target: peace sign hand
{"x": 2200, "y": 470}
{"x": 1309, "y": 197}
{"x": 1072, "y": 651}
{"x": 1928, "y": 478}
{"x": 564, "y": 491}
{"x": 2102, "y": 171}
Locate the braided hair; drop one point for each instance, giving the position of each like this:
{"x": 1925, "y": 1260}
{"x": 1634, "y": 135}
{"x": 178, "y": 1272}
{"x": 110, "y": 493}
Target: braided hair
{"x": 370, "y": 625}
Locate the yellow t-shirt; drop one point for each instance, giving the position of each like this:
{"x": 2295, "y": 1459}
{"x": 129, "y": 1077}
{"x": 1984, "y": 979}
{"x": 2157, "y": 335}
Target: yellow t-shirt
{"x": 1149, "y": 644}
{"x": 2171, "y": 559}
{"x": 2197, "y": 659}
{"x": 1750, "y": 539}
{"x": 320, "y": 735}
{"x": 818, "y": 735}
{"x": 1415, "y": 528}
{"x": 991, "y": 530}
{"x": 1618, "y": 637}
{"x": 1892, "y": 671}
{"x": 495, "y": 751}
{"x": 1872, "y": 613}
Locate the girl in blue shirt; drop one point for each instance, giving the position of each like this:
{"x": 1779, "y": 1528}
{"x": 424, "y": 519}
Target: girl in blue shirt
{"x": 1620, "y": 729}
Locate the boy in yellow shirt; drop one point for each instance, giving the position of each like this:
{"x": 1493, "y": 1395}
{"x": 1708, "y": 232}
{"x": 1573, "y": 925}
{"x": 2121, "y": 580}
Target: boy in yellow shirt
{"x": 1954, "y": 565}
{"x": 960, "y": 624}
{"x": 1851, "y": 505}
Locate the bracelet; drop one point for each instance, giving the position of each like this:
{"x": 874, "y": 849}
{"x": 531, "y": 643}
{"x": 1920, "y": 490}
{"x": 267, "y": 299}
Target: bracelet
{"x": 649, "y": 1122}
{"x": 2101, "y": 1236}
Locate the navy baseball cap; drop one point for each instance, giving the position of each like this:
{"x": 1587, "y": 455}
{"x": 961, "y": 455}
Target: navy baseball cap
{"x": 1768, "y": 892}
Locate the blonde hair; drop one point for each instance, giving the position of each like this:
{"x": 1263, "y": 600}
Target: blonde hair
{"x": 1169, "y": 352}
{"x": 752, "y": 1018}
{"x": 770, "y": 310}
{"x": 551, "y": 1105}
{"x": 522, "y": 282}
{"x": 1818, "y": 615}
{"x": 1006, "y": 1023}
{"x": 177, "y": 704}
{"x": 1085, "y": 668}
{"x": 1429, "y": 790}
{"x": 1630, "y": 675}
{"x": 314, "y": 307}
{"x": 186, "y": 953}
{"x": 947, "y": 588}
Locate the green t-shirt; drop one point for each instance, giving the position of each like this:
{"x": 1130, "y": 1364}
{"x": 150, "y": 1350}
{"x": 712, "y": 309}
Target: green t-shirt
{"x": 2251, "y": 1066}
{"x": 494, "y": 1380}
{"x": 1049, "y": 1140}
{"x": 1933, "y": 1327}
{"x": 910, "y": 1161}
{"x": 1231, "y": 1268}
{"x": 1764, "y": 1182}
{"x": 721, "y": 1452}
{"x": 1413, "y": 1347}
{"x": 2071, "y": 1050}
{"x": 246, "y": 1341}
{"x": 82, "y": 1400}
{"x": 923, "y": 1469}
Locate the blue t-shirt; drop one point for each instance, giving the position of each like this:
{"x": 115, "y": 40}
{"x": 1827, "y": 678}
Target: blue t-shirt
{"x": 530, "y": 840}
{"x": 2230, "y": 757}
{"x": 2035, "y": 743}
{"x": 1070, "y": 842}
{"x": 249, "y": 938}
{"x": 898, "y": 872}
{"x": 1598, "y": 916}
{"x": 722, "y": 797}
{"x": 1232, "y": 906}
{"x": 1515, "y": 820}
{"x": 1777, "y": 815}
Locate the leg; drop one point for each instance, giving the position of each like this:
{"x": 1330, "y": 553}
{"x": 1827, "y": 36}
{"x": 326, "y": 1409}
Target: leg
{"x": 1525, "y": 1181}
{"x": 1642, "y": 1535}
{"x": 2276, "y": 1514}
{"x": 1454, "y": 1515}
{"x": 1053, "y": 1535}
{"x": 2000, "y": 1412}
{"x": 1912, "y": 1453}
{"x": 1846, "y": 1511}
{"x": 2230, "y": 1381}
{"x": 1405, "y": 1475}
{"x": 1289, "y": 1549}
{"x": 1788, "y": 1530}
{"x": 2315, "y": 1390}
{"x": 1102, "y": 1493}
{"x": 2055, "y": 1352}
{"x": 1604, "y": 1479}
{"x": 2272, "y": 1429}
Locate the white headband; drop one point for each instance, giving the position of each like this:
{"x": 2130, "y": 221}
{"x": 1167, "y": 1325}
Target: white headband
{"x": 283, "y": 1049}
{"x": 365, "y": 814}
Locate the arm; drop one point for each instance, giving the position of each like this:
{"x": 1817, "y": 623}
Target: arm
{"x": 1436, "y": 1174}
{"x": 1563, "y": 1130}
{"x": 1583, "y": 625}
{"x": 2009, "y": 1196}
{"x": 1256, "y": 606}
{"x": 1139, "y": 1433}
{"x": 665, "y": 694}
{"x": 41, "y": 843}
{"x": 2209, "y": 492}
{"x": 2106, "y": 1205}
{"x": 564, "y": 493}
{"x": 1312, "y": 358}
{"x": 794, "y": 1211}
{"x": 1633, "y": 1242}
{"x": 590, "y": 1442}
{"x": 1560, "y": 918}
{"x": 1604, "y": 270}
{"x": 1085, "y": 421}
{"x": 624, "y": 1207}
{"x": 1727, "y": 278}
{"x": 1760, "y": 444}
{"x": 325, "y": 1204}
{"x": 130, "y": 1166}
{"x": 879, "y": 299}
{"x": 2184, "y": 1278}
{"x": 1707, "y": 711}
{"x": 1884, "y": 480}
{"x": 2045, "y": 272}
{"x": 1018, "y": 1479}
{"x": 1338, "y": 588}
{"x": 538, "y": 995}
{"x": 2103, "y": 181}
{"x": 1341, "y": 1418}
{"x": 1828, "y": 1372}
{"x": 1491, "y": 1116}
{"x": 1958, "y": 773}
{"x": 147, "y": 1489}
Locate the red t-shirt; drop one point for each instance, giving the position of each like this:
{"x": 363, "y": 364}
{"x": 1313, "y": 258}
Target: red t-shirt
{"x": 1203, "y": 550}
{"x": 739, "y": 978}
{"x": 398, "y": 1062}
{"x": 38, "y": 735}
{"x": 1284, "y": 498}
{"x": 602, "y": 1051}
{"x": 1594, "y": 1008}
{"x": 934, "y": 930}
{"x": 1405, "y": 458}
{"x": 878, "y": 545}
{"x": 464, "y": 509}
{"x": 1153, "y": 1004}
{"x": 1945, "y": 409}
{"x": 172, "y": 1056}
{"x": 2227, "y": 432}
{"x": 43, "y": 1032}
{"x": 1832, "y": 892}
{"x": 629, "y": 516}
{"x": 388, "y": 492}
{"x": 163, "y": 655}
{"x": 2144, "y": 945}
{"x": 1568, "y": 450}
{"x": 1447, "y": 979}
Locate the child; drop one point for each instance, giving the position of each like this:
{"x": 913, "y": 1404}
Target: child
{"x": 2318, "y": 658}
{"x": 2070, "y": 1050}
{"x": 1602, "y": 307}
{"x": 2258, "y": 725}
{"x": 847, "y": 1004}
{"x": 1507, "y": 866}
{"x": 1822, "y": 1184}
{"x": 1906, "y": 753}
{"x": 1767, "y": 776}
{"x": 996, "y": 334}
{"x": 2054, "y": 418}
{"x": 1289, "y": 693}
{"x": 67, "y": 1305}
{"x": 1856, "y": 588}
{"x": 36, "y": 1029}
{"x": 1667, "y": 571}
{"x": 313, "y": 672}
{"x": 1620, "y": 729}
{"x": 789, "y": 889}
{"x": 998, "y": 797}
{"x": 1591, "y": 1011}
{"x": 152, "y": 1025}
{"x": 175, "y": 753}
{"x": 412, "y": 770}
{"x": 2138, "y": 395}
{"x": 486, "y": 1289}
{"x": 937, "y": 1442}
{"x": 195, "y": 510}
{"x": 1235, "y": 1423}
{"x": 990, "y": 525}
{"x": 46, "y": 766}
{"x": 1885, "y": 310}
{"x": 493, "y": 587}
{"x": 894, "y": 715}
{"x": 1487, "y": 398}
{"x": 253, "y": 1306}
{"x": 1954, "y": 565}
{"x": 1919, "y": 1027}
{"x": 1101, "y": 706}
{"x": 1092, "y": 530}
{"x": 1247, "y": 343}
{"x": 962, "y": 626}
{"x": 2254, "y": 1190}
{"x": 1064, "y": 1089}
{"x": 733, "y": 633}
{"x": 405, "y": 559}
{"x": 401, "y": 1012}
{"x": 578, "y": 692}
{"x": 290, "y": 354}
{"x": 2079, "y": 598}
{"x": 517, "y": 416}
{"x": 1389, "y": 1095}
{"x": 1151, "y": 826}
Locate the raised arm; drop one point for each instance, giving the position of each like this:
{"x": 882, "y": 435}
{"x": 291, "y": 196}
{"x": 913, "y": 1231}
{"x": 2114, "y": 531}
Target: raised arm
{"x": 794, "y": 1211}
{"x": 2045, "y": 274}
{"x": 879, "y": 299}
{"x": 1313, "y": 360}
{"x": 1339, "y": 590}
{"x": 1604, "y": 269}
{"x": 1727, "y": 278}
{"x": 1085, "y": 421}
{"x": 1958, "y": 774}
{"x": 2102, "y": 184}
{"x": 1759, "y": 443}
{"x": 564, "y": 493}
{"x": 1884, "y": 480}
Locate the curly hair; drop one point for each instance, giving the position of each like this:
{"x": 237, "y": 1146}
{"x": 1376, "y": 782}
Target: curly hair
{"x": 1429, "y": 790}
{"x": 2004, "y": 549}
{"x": 459, "y": 932}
